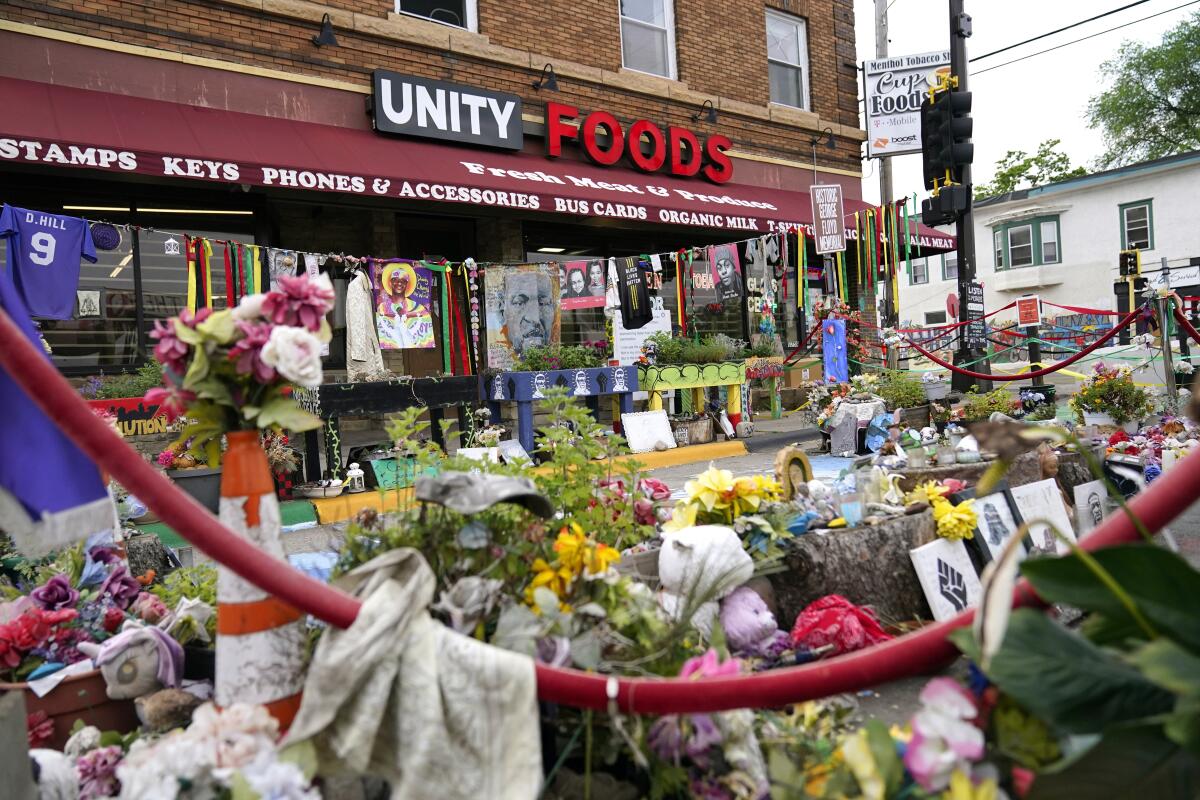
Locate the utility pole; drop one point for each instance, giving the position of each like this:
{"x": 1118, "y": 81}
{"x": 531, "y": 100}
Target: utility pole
{"x": 885, "y": 167}
{"x": 960, "y": 29}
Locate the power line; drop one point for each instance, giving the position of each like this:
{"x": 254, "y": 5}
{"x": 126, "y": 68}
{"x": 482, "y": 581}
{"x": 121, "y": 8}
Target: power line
{"x": 1085, "y": 38}
{"x": 1058, "y": 30}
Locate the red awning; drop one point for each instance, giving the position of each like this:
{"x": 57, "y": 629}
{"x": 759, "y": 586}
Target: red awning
{"x": 65, "y": 126}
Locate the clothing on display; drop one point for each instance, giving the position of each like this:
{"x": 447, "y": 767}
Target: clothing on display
{"x": 363, "y": 356}
{"x": 636, "y": 310}
{"x": 44, "y": 251}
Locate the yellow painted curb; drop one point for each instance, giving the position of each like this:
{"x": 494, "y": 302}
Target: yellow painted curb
{"x": 339, "y": 509}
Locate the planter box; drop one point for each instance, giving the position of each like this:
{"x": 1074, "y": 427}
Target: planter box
{"x": 696, "y": 432}
{"x": 936, "y": 391}
{"x": 641, "y": 567}
{"x": 1101, "y": 419}
{"x": 78, "y": 697}
{"x": 201, "y": 483}
{"x": 524, "y": 387}
{"x": 663, "y": 377}
{"x": 915, "y": 417}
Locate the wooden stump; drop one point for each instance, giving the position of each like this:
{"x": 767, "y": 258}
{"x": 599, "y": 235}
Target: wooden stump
{"x": 866, "y": 565}
{"x": 1072, "y": 470}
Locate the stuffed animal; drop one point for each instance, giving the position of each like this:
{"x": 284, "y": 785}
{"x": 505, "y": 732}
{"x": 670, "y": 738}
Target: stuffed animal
{"x": 137, "y": 661}
{"x": 698, "y": 566}
{"x": 750, "y": 627}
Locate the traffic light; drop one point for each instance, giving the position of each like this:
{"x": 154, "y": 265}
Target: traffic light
{"x": 1131, "y": 263}
{"x": 946, "y": 137}
{"x": 944, "y": 207}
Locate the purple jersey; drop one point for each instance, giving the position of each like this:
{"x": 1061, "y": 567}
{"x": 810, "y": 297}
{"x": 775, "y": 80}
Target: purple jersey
{"x": 43, "y": 258}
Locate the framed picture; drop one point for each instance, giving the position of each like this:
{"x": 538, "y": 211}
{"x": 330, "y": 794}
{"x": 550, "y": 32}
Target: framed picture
{"x": 1042, "y": 503}
{"x": 1091, "y": 505}
{"x": 947, "y": 577}
{"x": 88, "y": 301}
{"x": 998, "y": 521}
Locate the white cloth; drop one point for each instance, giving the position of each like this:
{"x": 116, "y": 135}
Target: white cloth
{"x": 363, "y": 356}
{"x": 439, "y": 715}
{"x": 860, "y": 412}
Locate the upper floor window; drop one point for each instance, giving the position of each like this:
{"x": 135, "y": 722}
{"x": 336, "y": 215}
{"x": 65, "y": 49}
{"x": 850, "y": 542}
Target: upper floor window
{"x": 459, "y": 13}
{"x": 920, "y": 272}
{"x": 787, "y": 59}
{"x": 1137, "y": 226}
{"x": 648, "y": 36}
{"x": 1027, "y": 243}
{"x": 950, "y": 267}
{"x": 935, "y": 317}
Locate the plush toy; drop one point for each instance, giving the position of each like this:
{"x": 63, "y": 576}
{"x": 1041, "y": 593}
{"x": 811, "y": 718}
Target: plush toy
{"x": 698, "y": 566}
{"x": 750, "y": 627}
{"x": 138, "y": 660}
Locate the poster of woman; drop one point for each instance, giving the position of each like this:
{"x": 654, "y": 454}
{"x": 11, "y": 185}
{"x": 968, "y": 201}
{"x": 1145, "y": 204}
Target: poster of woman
{"x": 402, "y": 313}
{"x": 726, "y": 271}
{"x": 577, "y": 289}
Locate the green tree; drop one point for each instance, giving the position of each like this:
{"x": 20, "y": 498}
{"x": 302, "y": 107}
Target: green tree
{"x": 1018, "y": 170}
{"x": 1152, "y": 108}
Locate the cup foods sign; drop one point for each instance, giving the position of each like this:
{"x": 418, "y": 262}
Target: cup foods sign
{"x": 895, "y": 88}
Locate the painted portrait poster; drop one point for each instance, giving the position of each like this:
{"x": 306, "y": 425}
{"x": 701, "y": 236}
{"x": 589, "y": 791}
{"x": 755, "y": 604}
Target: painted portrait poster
{"x": 402, "y": 307}
{"x": 582, "y": 285}
{"x": 523, "y": 310}
{"x": 726, "y": 271}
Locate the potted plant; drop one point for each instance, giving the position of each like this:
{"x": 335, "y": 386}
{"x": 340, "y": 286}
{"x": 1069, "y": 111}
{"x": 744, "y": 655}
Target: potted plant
{"x": 669, "y": 362}
{"x": 192, "y": 474}
{"x": 902, "y": 391}
{"x": 980, "y": 407}
{"x": 936, "y": 387}
{"x": 1110, "y": 397}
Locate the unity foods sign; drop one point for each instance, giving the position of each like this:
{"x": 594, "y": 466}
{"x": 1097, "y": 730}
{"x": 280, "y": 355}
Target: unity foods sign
{"x": 895, "y": 87}
{"x": 452, "y": 112}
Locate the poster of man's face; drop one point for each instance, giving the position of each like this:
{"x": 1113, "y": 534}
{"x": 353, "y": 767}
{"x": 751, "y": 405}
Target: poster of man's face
{"x": 727, "y": 272}
{"x": 522, "y": 310}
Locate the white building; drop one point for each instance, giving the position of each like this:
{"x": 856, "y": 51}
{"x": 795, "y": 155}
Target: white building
{"x": 1062, "y": 241}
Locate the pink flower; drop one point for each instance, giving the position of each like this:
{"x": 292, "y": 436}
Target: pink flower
{"x": 709, "y": 666}
{"x": 247, "y": 351}
{"x": 643, "y": 512}
{"x": 171, "y": 399}
{"x": 300, "y": 302}
{"x": 149, "y": 608}
{"x": 55, "y": 593}
{"x": 170, "y": 351}
{"x": 192, "y": 320}
{"x": 945, "y": 737}
{"x": 166, "y": 459}
{"x": 39, "y": 729}
{"x": 122, "y": 587}
{"x": 654, "y": 489}
{"x": 97, "y": 772}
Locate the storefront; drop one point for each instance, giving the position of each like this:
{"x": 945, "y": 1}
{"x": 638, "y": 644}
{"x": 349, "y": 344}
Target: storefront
{"x": 307, "y": 174}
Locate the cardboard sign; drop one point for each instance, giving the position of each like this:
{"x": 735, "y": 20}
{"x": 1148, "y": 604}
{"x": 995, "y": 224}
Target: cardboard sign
{"x": 1029, "y": 311}
{"x": 828, "y": 218}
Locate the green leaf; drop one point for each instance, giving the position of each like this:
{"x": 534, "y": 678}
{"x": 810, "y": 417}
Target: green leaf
{"x": 197, "y": 370}
{"x": 219, "y": 326}
{"x": 189, "y": 336}
{"x": 1163, "y": 586}
{"x": 303, "y": 755}
{"x": 1170, "y": 666}
{"x": 212, "y": 388}
{"x": 887, "y": 760}
{"x": 1069, "y": 682}
{"x": 1131, "y": 763}
{"x": 284, "y": 412}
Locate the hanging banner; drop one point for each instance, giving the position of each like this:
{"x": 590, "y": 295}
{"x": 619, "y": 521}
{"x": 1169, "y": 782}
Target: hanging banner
{"x": 828, "y": 218}
{"x": 976, "y": 330}
{"x": 1029, "y": 311}
{"x": 833, "y": 347}
{"x": 582, "y": 284}
{"x": 522, "y": 302}
{"x": 895, "y": 87}
{"x": 402, "y": 305}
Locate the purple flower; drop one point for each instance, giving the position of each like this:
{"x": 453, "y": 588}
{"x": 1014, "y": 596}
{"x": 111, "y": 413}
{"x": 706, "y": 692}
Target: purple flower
{"x": 170, "y": 351}
{"x": 248, "y": 351}
{"x": 299, "y": 302}
{"x": 55, "y": 593}
{"x": 705, "y": 736}
{"x": 97, "y": 772}
{"x": 122, "y": 587}
{"x": 665, "y": 738}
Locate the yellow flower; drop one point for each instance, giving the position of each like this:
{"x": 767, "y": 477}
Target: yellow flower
{"x": 556, "y": 579}
{"x": 819, "y": 774}
{"x": 961, "y": 788}
{"x": 928, "y": 492}
{"x": 713, "y": 488}
{"x": 684, "y": 516}
{"x": 598, "y": 559}
{"x": 955, "y": 522}
{"x": 570, "y": 546}
{"x": 862, "y": 763}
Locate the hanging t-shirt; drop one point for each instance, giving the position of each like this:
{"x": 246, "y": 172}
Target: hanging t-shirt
{"x": 635, "y": 294}
{"x": 43, "y": 258}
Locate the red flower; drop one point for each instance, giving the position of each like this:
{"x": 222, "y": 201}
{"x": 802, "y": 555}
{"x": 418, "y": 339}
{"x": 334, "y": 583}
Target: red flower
{"x": 39, "y": 728}
{"x": 247, "y": 351}
{"x": 29, "y": 631}
{"x": 172, "y": 400}
{"x": 300, "y": 302}
{"x": 113, "y": 617}
{"x": 60, "y": 616}
{"x": 10, "y": 657}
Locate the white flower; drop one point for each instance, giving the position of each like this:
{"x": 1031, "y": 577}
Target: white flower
{"x": 278, "y": 780}
{"x": 250, "y": 308}
{"x": 296, "y": 354}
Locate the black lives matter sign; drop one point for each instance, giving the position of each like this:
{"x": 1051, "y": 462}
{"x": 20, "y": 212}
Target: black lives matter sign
{"x": 828, "y": 219}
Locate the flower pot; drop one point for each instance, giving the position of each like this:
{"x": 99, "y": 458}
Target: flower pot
{"x": 1098, "y": 418}
{"x": 915, "y": 417}
{"x": 202, "y": 483}
{"x": 256, "y": 633}
{"x": 1131, "y": 427}
{"x": 78, "y": 697}
{"x": 1047, "y": 392}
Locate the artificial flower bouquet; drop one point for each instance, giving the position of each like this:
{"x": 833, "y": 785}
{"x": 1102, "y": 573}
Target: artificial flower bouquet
{"x": 1112, "y": 391}
{"x": 235, "y": 368}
